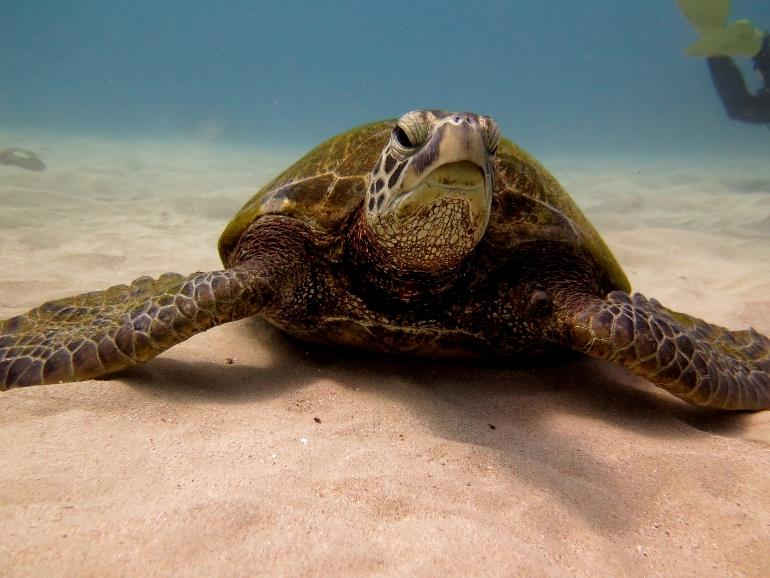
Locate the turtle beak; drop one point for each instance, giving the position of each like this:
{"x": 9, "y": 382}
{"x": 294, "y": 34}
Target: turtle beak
{"x": 458, "y": 139}
{"x": 453, "y": 164}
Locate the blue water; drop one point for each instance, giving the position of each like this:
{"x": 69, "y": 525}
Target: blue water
{"x": 599, "y": 75}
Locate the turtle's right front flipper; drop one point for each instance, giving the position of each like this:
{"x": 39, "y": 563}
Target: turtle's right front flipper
{"x": 93, "y": 334}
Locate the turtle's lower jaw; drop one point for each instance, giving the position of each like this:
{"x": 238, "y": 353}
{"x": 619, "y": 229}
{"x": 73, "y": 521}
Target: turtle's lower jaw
{"x": 433, "y": 226}
{"x": 458, "y": 181}
{"x": 462, "y": 176}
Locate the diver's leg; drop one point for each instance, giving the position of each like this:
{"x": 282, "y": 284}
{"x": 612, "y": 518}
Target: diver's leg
{"x": 739, "y": 103}
{"x": 731, "y": 88}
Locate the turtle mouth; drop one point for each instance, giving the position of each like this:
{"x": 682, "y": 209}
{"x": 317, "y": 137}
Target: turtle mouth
{"x": 462, "y": 176}
{"x": 463, "y": 180}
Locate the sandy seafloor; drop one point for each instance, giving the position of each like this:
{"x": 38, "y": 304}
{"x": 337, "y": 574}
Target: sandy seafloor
{"x": 188, "y": 465}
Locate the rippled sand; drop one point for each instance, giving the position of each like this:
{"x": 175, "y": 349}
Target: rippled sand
{"x": 297, "y": 461}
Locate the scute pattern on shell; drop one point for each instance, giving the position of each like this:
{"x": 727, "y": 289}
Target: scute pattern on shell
{"x": 528, "y": 202}
{"x": 322, "y": 188}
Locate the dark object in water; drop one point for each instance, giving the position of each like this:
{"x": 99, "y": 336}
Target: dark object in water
{"x": 741, "y": 104}
{"x": 21, "y": 158}
{"x": 719, "y": 42}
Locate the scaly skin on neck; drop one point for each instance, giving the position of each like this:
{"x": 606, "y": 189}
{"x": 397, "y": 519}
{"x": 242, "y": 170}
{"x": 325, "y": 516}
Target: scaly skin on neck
{"x": 380, "y": 267}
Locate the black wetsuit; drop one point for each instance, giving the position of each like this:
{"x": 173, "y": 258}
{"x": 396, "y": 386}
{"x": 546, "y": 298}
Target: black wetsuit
{"x": 739, "y": 103}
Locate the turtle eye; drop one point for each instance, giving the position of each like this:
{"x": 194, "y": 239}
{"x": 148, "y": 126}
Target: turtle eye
{"x": 411, "y": 131}
{"x": 491, "y": 136}
{"x": 402, "y": 138}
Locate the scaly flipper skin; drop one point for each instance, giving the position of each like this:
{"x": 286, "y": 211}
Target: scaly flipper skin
{"x": 703, "y": 364}
{"x": 96, "y": 333}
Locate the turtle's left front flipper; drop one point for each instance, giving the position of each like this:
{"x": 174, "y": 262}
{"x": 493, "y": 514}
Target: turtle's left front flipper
{"x": 89, "y": 335}
{"x": 704, "y": 364}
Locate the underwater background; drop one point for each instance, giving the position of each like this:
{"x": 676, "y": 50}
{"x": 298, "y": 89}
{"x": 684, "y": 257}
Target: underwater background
{"x": 591, "y": 77}
{"x": 244, "y": 450}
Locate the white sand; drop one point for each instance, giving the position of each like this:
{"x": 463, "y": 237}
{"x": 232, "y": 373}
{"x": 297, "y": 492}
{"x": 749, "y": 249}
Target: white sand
{"x": 193, "y": 466}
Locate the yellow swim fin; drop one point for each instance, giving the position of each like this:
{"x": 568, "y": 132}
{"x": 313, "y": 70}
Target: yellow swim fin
{"x": 705, "y": 15}
{"x": 740, "y": 38}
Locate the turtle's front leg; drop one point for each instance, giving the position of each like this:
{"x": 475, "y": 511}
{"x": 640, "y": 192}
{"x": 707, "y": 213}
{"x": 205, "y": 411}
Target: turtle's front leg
{"x": 93, "y": 334}
{"x": 704, "y": 364}
{"x": 89, "y": 335}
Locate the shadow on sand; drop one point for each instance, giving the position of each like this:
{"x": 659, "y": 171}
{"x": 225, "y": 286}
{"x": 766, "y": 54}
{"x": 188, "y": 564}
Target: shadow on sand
{"x": 463, "y": 402}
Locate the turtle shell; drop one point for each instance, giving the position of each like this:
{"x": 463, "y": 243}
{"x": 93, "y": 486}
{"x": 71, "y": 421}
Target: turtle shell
{"x": 326, "y": 185}
{"x": 322, "y": 188}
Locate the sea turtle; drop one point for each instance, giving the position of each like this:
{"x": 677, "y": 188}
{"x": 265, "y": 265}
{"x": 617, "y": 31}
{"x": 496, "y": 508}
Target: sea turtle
{"x": 429, "y": 235}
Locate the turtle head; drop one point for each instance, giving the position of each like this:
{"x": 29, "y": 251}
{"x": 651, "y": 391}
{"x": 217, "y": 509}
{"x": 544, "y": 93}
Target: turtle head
{"x": 430, "y": 192}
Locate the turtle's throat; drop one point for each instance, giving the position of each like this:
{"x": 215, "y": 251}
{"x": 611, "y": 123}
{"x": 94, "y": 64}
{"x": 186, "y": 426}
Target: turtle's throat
{"x": 409, "y": 258}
